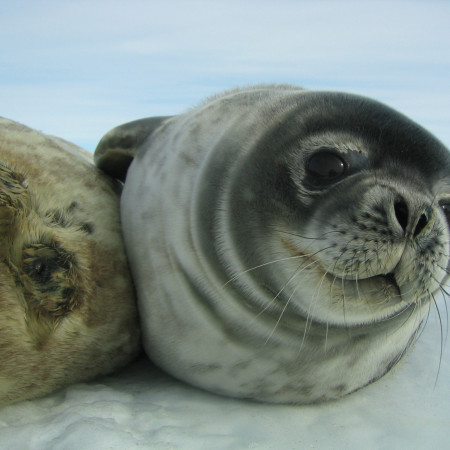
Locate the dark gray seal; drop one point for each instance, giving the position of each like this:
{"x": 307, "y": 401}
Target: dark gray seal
{"x": 286, "y": 244}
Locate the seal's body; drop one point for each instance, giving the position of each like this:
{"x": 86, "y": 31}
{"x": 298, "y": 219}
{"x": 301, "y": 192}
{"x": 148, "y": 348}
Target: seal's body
{"x": 67, "y": 308}
{"x": 286, "y": 245}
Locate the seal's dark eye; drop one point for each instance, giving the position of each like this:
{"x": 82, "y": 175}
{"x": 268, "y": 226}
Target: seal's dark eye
{"x": 42, "y": 263}
{"x": 325, "y": 166}
{"x": 50, "y": 277}
{"x": 40, "y": 270}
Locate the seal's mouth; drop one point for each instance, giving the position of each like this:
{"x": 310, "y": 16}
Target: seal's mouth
{"x": 381, "y": 287}
{"x": 383, "y": 283}
{"x": 389, "y": 280}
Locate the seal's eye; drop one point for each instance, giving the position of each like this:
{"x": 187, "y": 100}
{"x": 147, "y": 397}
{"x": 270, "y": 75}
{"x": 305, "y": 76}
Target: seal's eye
{"x": 41, "y": 270}
{"x": 43, "y": 263}
{"x": 325, "y": 166}
{"x": 50, "y": 279}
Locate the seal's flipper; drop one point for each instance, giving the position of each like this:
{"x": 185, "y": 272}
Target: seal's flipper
{"x": 117, "y": 148}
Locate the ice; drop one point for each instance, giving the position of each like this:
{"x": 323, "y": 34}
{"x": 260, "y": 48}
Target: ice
{"x": 142, "y": 407}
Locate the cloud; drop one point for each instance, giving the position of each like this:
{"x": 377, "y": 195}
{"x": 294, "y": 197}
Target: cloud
{"x": 79, "y": 68}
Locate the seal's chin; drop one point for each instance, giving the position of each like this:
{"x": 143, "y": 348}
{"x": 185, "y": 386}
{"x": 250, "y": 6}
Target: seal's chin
{"x": 348, "y": 298}
{"x": 387, "y": 282}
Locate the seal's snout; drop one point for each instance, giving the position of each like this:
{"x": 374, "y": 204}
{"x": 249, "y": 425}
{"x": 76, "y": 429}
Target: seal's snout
{"x": 412, "y": 220}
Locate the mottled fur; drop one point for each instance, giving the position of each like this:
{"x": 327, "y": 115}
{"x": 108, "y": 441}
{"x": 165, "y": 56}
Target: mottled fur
{"x": 67, "y": 307}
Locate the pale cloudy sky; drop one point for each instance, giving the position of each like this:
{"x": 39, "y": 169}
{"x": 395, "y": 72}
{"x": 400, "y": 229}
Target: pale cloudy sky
{"x": 77, "y": 68}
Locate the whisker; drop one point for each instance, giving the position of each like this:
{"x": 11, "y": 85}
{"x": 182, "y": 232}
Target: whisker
{"x": 313, "y": 301}
{"x": 309, "y": 319}
{"x": 308, "y": 255}
{"x": 296, "y": 272}
{"x": 445, "y": 269}
{"x": 308, "y": 237}
{"x": 441, "y": 340}
{"x": 263, "y": 265}
{"x": 281, "y": 315}
{"x": 446, "y": 315}
{"x": 343, "y": 300}
{"x": 399, "y": 313}
{"x": 425, "y": 322}
{"x": 444, "y": 294}
{"x": 444, "y": 291}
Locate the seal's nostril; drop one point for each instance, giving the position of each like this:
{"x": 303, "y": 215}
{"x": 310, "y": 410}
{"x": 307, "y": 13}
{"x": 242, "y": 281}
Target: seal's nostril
{"x": 421, "y": 224}
{"x": 404, "y": 216}
{"x": 401, "y": 213}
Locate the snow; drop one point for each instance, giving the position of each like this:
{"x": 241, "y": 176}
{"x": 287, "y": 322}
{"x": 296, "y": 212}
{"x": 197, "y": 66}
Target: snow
{"x": 142, "y": 407}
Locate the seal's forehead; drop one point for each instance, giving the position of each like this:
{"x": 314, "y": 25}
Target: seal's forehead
{"x": 368, "y": 126}
{"x": 31, "y": 152}
{"x": 57, "y": 172}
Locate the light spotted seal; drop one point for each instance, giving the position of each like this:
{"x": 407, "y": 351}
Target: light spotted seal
{"x": 286, "y": 244}
{"x": 67, "y": 303}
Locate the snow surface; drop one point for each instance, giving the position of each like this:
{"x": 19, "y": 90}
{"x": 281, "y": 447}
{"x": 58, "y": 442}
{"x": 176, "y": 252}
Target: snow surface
{"x": 142, "y": 407}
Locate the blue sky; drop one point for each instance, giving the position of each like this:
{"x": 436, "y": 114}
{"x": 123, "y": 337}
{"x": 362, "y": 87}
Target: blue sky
{"x": 78, "y": 68}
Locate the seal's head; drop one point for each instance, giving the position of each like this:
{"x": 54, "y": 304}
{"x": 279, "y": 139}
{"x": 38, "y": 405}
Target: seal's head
{"x": 294, "y": 240}
{"x": 67, "y": 310}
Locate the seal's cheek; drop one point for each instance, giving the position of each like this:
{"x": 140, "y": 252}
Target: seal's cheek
{"x": 12, "y": 308}
{"x": 15, "y": 340}
{"x": 105, "y": 284}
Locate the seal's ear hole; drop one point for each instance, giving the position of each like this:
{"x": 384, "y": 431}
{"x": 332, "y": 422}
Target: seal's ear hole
{"x": 326, "y": 166}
